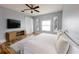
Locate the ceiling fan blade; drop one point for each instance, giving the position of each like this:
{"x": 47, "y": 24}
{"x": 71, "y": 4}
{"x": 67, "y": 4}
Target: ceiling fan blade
{"x": 27, "y": 9}
{"x": 36, "y": 10}
{"x": 28, "y": 6}
{"x": 31, "y": 5}
{"x": 36, "y": 7}
{"x": 24, "y": 10}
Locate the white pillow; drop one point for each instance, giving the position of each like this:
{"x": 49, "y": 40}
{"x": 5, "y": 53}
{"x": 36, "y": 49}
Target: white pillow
{"x": 62, "y": 44}
{"x": 59, "y": 34}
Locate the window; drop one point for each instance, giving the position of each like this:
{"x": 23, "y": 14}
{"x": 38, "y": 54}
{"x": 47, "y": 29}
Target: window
{"x": 46, "y": 25}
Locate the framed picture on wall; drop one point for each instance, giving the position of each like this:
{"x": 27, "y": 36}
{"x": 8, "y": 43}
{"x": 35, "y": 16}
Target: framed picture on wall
{"x": 37, "y": 25}
{"x": 55, "y": 24}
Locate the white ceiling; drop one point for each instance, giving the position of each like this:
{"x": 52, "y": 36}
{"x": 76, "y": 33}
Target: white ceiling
{"x": 44, "y": 8}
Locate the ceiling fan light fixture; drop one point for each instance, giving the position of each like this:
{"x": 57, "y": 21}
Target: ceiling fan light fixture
{"x": 22, "y": 11}
{"x": 31, "y": 11}
{"x": 31, "y": 7}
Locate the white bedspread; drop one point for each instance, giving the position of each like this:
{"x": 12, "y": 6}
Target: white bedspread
{"x": 41, "y": 44}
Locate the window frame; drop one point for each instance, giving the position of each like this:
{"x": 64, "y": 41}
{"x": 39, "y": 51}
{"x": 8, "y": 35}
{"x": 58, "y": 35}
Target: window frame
{"x": 50, "y": 25}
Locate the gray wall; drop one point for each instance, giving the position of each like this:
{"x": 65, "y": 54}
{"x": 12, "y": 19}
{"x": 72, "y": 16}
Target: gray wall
{"x": 11, "y": 14}
{"x": 71, "y": 21}
{"x": 47, "y": 17}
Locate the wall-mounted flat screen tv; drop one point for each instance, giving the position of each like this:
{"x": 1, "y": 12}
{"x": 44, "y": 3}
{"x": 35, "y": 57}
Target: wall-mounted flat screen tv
{"x": 13, "y": 23}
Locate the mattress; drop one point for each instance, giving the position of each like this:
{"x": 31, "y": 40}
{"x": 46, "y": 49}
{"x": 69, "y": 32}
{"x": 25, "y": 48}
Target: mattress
{"x": 40, "y": 44}
{"x": 43, "y": 43}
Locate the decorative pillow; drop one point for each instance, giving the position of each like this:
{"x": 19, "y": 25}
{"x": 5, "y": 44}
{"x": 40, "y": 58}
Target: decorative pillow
{"x": 59, "y": 34}
{"x": 62, "y": 44}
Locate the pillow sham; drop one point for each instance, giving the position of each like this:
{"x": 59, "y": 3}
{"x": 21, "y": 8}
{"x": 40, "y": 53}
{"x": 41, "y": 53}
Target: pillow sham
{"x": 59, "y": 34}
{"x": 62, "y": 44}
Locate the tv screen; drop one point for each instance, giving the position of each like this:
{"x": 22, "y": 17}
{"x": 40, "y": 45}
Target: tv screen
{"x": 13, "y": 23}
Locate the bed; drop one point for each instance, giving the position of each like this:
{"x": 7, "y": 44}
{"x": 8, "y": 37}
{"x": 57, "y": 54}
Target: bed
{"x": 40, "y": 44}
{"x": 43, "y": 43}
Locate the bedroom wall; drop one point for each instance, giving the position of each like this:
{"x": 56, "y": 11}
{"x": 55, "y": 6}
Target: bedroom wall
{"x": 71, "y": 21}
{"x": 47, "y": 17}
{"x": 26, "y": 21}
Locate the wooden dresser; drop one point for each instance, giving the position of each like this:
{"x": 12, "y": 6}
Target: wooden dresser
{"x": 11, "y": 38}
{"x": 16, "y": 35}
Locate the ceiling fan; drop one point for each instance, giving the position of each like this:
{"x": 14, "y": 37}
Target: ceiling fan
{"x": 32, "y": 8}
